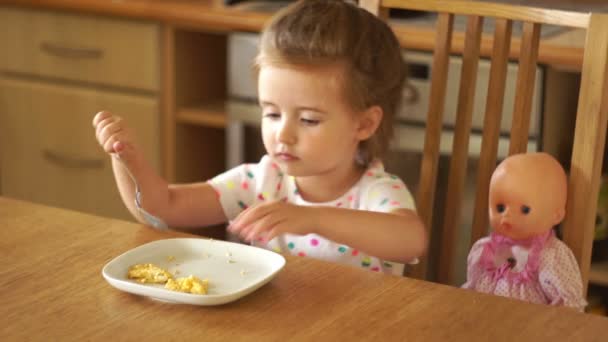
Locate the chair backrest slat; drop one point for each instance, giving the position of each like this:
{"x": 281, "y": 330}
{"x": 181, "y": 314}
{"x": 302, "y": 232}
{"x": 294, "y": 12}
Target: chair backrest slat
{"x": 460, "y": 149}
{"x": 588, "y": 148}
{"x": 434, "y": 124}
{"x": 491, "y": 125}
{"x": 524, "y": 90}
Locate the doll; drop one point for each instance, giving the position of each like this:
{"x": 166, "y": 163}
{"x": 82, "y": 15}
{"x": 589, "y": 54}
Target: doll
{"x": 522, "y": 258}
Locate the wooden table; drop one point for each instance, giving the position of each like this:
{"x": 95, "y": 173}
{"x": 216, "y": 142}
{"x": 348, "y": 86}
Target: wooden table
{"x": 52, "y": 290}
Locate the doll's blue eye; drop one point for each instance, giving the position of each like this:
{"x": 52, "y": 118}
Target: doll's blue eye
{"x": 500, "y": 208}
{"x": 525, "y": 209}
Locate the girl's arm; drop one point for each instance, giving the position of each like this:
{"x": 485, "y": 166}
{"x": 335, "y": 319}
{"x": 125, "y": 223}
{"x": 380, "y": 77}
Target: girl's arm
{"x": 178, "y": 205}
{"x": 396, "y": 236}
{"x": 187, "y": 205}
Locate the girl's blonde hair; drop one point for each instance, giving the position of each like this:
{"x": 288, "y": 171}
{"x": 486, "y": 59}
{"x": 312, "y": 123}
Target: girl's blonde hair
{"x": 318, "y": 32}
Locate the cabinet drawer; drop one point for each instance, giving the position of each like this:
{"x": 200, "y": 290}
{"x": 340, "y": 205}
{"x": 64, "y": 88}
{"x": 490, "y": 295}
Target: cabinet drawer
{"x": 94, "y": 49}
{"x": 49, "y": 151}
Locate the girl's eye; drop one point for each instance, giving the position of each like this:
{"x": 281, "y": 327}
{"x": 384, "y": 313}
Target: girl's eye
{"x": 525, "y": 209}
{"x": 310, "y": 122}
{"x": 273, "y": 116}
{"x": 500, "y": 208}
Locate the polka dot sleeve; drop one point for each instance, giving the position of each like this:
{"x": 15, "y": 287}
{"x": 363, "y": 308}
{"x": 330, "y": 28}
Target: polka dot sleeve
{"x": 560, "y": 277}
{"x": 235, "y": 189}
{"x": 387, "y": 194}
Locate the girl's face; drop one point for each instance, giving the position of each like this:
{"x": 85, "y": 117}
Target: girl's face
{"x": 307, "y": 126}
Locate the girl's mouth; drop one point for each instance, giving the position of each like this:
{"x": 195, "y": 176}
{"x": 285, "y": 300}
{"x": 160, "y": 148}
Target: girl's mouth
{"x": 285, "y": 156}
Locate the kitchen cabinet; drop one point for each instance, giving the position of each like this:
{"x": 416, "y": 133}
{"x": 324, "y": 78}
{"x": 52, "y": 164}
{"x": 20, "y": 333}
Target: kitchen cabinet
{"x": 56, "y": 72}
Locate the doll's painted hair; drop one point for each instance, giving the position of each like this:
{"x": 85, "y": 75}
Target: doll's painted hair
{"x": 322, "y": 32}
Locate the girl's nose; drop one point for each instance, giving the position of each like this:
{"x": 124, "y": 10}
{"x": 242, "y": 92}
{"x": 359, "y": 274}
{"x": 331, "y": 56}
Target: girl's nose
{"x": 286, "y": 133}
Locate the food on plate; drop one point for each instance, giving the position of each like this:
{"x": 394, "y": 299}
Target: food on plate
{"x": 190, "y": 284}
{"x": 153, "y": 274}
{"x": 149, "y": 273}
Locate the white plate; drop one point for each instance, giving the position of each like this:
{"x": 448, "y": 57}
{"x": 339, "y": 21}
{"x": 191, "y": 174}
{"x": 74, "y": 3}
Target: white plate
{"x": 233, "y": 270}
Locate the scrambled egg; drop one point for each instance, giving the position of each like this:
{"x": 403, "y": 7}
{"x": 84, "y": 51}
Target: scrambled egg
{"x": 189, "y": 284}
{"x": 149, "y": 273}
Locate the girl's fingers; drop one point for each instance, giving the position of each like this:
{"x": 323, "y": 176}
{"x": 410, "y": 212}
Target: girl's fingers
{"x": 118, "y": 147}
{"x": 125, "y": 151}
{"x": 100, "y": 116}
{"x": 271, "y": 234}
{"x": 249, "y": 216}
{"x": 262, "y": 228}
{"x": 112, "y": 135}
{"x": 115, "y": 140}
{"x": 101, "y": 125}
{"x": 108, "y": 144}
{"x": 109, "y": 130}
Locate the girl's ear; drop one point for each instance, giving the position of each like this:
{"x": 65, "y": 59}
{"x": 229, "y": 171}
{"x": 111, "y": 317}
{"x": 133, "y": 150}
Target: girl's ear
{"x": 369, "y": 120}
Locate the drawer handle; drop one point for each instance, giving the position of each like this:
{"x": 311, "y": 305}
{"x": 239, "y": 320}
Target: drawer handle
{"x": 70, "y": 162}
{"x": 70, "y": 52}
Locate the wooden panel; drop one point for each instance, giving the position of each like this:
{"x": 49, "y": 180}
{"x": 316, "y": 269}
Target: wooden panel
{"x": 200, "y": 80}
{"x": 526, "y": 76}
{"x": 210, "y": 115}
{"x": 167, "y": 100}
{"x": 484, "y": 9}
{"x": 50, "y": 152}
{"x": 588, "y": 149}
{"x": 494, "y": 104}
{"x": 460, "y": 154}
{"x": 373, "y": 6}
{"x": 428, "y": 172}
{"x": 77, "y": 47}
{"x": 200, "y": 76}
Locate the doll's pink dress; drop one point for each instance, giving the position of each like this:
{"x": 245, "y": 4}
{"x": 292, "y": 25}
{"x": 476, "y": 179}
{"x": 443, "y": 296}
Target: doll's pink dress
{"x": 538, "y": 270}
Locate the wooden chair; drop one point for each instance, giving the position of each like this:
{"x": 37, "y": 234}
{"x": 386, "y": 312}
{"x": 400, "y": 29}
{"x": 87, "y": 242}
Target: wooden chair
{"x": 589, "y": 131}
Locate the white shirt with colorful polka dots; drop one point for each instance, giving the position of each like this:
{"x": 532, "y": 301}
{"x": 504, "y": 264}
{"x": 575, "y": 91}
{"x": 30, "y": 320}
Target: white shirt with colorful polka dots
{"x": 251, "y": 184}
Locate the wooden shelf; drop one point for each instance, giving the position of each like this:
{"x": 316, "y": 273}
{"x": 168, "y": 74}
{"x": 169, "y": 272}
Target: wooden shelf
{"x": 209, "y": 115}
{"x": 598, "y": 274}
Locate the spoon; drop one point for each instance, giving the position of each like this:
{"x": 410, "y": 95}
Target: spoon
{"x": 154, "y": 221}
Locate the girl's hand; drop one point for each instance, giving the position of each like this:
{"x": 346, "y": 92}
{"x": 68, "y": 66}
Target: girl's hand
{"x": 113, "y": 134}
{"x": 271, "y": 219}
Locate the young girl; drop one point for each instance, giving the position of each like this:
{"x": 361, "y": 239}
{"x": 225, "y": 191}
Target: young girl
{"x": 329, "y": 81}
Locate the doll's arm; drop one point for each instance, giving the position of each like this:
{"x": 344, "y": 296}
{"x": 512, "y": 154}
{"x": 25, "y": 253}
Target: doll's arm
{"x": 560, "y": 277}
{"x": 474, "y": 267}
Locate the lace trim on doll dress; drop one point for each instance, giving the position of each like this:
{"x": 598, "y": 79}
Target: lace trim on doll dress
{"x": 505, "y": 270}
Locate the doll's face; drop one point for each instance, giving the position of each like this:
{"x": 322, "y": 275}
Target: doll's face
{"x": 520, "y": 207}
